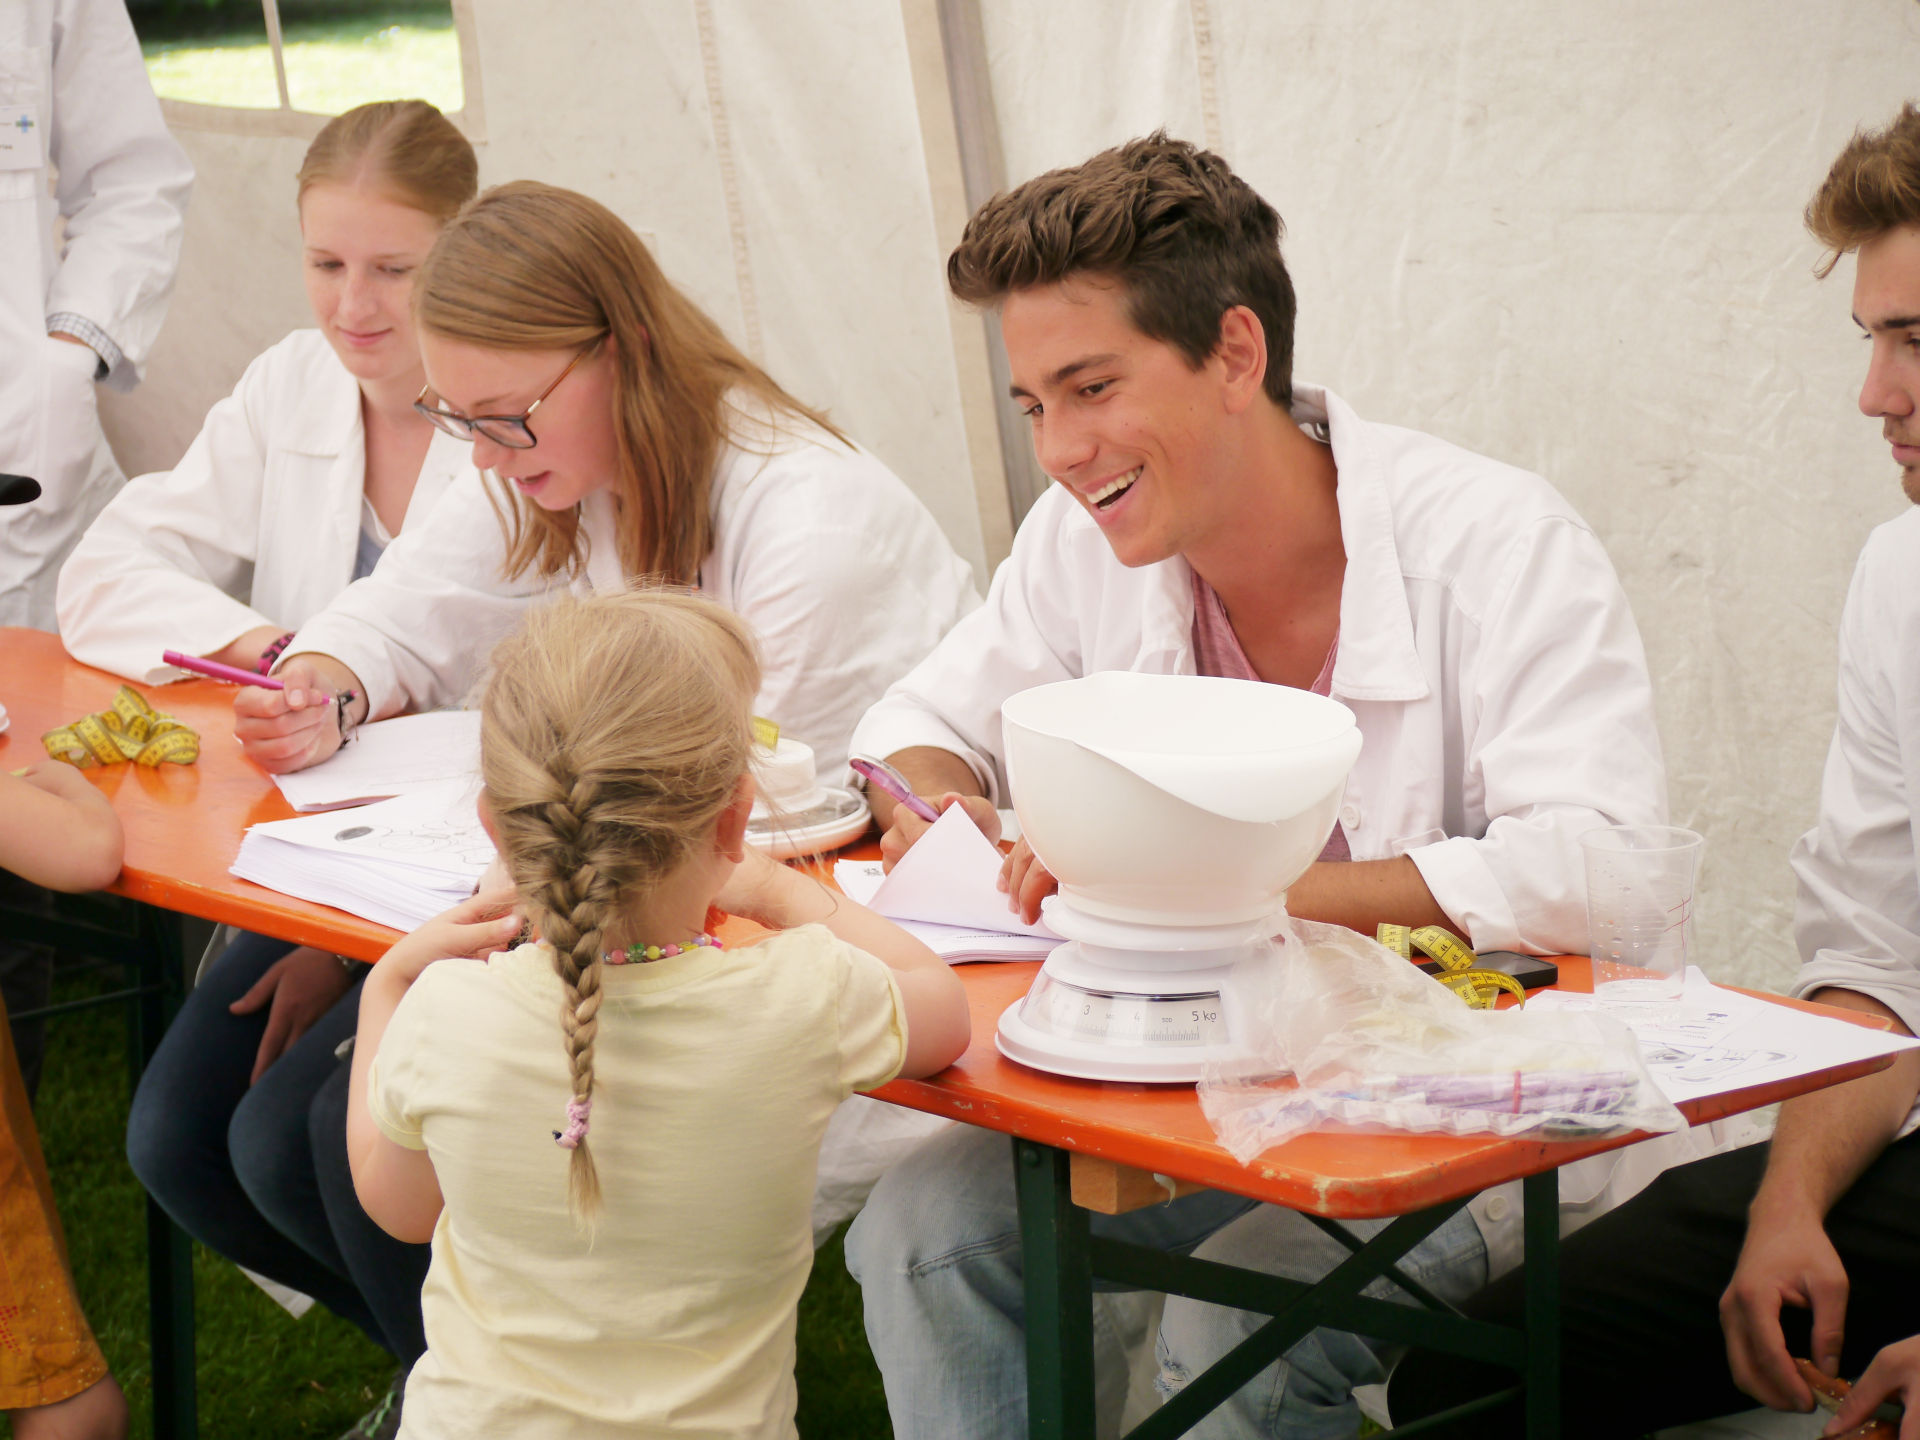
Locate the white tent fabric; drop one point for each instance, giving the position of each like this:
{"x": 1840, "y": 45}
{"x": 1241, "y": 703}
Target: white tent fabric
{"x": 1565, "y": 236}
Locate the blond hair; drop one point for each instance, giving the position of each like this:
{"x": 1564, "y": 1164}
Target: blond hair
{"x": 404, "y": 147}
{"x": 1872, "y": 188}
{"x": 533, "y": 267}
{"x": 613, "y": 732}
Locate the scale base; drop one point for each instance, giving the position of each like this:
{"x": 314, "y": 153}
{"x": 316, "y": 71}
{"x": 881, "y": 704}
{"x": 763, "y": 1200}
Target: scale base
{"x": 1133, "y": 1065}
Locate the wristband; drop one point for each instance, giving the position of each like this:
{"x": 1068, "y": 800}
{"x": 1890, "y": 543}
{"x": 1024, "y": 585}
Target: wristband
{"x": 343, "y": 717}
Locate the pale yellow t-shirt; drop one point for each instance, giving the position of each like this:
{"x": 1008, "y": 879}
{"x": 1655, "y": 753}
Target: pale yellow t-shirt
{"x": 715, "y": 1073}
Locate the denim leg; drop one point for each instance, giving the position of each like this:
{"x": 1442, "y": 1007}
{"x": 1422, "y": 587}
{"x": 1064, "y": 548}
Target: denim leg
{"x": 387, "y": 1272}
{"x": 179, "y": 1123}
{"x": 937, "y": 1255}
{"x": 1308, "y": 1393}
{"x": 268, "y": 1137}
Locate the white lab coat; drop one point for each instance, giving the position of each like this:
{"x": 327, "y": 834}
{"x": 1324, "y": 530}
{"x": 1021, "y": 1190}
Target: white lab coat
{"x": 1857, "y": 913}
{"x": 842, "y": 573}
{"x": 259, "y": 523}
{"x": 74, "y": 97}
{"x": 1486, "y": 649}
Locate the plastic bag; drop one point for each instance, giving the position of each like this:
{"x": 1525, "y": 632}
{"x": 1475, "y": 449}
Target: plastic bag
{"x": 1375, "y": 1043}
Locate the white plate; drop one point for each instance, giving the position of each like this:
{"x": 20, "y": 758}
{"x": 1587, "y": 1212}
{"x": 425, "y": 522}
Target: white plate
{"x": 842, "y": 818}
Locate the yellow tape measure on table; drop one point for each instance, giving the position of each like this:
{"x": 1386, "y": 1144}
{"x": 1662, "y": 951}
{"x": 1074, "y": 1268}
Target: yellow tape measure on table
{"x": 1459, "y": 966}
{"x": 130, "y": 730}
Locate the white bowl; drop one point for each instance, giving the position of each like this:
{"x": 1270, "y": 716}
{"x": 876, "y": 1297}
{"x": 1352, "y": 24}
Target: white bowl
{"x": 1176, "y": 799}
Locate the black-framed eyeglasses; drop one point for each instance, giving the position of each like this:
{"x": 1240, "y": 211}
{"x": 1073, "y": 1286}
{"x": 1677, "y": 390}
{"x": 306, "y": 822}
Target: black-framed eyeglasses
{"x": 511, "y": 431}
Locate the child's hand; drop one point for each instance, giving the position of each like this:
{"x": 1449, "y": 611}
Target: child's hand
{"x": 473, "y": 929}
{"x": 56, "y": 777}
{"x": 759, "y": 889}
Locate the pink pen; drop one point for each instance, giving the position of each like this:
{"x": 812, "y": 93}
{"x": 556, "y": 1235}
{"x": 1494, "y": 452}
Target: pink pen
{"x": 878, "y": 772}
{"x": 221, "y": 672}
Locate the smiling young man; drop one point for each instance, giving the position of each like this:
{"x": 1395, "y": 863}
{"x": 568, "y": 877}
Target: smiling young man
{"x": 1808, "y": 1246}
{"x": 1212, "y": 516}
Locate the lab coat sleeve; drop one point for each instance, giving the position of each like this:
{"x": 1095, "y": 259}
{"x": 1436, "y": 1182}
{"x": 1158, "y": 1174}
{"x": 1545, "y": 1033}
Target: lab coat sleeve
{"x": 1559, "y": 739}
{"x": 1025, "y": 634}
{"x": 160, "y": 567}
{"x": 847, "y": 584}
{"x": 1857, "y": 911}
{"x": 123, "y": 183}
{"x": 418, "y": 630}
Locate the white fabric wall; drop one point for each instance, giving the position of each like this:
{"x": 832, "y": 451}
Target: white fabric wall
{"x": 1566, "y": 236}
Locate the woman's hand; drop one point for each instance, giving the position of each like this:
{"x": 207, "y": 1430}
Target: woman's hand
{"x": 301, "y": 986}
{"x": 471, "y": 930}
{"x": 290, "y": 729}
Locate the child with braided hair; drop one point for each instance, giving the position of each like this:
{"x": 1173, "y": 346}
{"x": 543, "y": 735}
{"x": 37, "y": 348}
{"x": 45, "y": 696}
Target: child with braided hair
{"x": 618, "y": 1203}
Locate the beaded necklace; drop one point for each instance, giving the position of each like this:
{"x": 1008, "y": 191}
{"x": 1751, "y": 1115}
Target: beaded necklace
{"x": 642, "y": 954}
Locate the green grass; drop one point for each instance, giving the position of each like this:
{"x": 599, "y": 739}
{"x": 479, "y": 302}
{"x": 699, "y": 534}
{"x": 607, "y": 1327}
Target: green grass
{"x": 391, "y": 53}
{"x": 262, "y": 1373}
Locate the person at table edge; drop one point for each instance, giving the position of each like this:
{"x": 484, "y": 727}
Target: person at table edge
{"x": 1213, "y": 516}
{"x": 1806, "y": 1246}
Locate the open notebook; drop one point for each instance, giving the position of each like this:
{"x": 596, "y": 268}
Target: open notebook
{"x": 388, "y": 758}
{"x": 943, "y": 891}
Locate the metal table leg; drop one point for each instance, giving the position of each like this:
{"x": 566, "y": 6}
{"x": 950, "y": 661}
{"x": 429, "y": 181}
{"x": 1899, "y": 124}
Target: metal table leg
{"x": 1059, "y": 1293}
{"x": 169, "y": 1251}
{"x": 1542, "y": 1198}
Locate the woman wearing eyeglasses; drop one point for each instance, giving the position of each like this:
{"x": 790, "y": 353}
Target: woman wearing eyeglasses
{"x": 618, "y": 437}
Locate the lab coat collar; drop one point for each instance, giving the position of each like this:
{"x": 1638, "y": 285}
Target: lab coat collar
{"x": 327, "y": 421}
{"x": 1378, "y": 659}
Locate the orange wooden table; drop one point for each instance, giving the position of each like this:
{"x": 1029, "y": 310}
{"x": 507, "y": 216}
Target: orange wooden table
{"x": 1079, "y": 1145}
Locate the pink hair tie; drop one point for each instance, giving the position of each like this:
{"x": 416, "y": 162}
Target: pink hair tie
{"x": 576, "y": 1131}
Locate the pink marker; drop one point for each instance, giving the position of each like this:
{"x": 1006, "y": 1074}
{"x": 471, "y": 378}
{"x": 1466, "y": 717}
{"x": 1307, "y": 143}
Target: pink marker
{"x": 221, "y": 672}
{"x": 878, "y": 772}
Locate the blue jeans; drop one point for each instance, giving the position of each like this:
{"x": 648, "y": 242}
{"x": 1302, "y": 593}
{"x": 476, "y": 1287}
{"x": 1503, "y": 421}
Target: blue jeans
{"x": 257, "y": 1172}
{"x": 937, "y": 1255}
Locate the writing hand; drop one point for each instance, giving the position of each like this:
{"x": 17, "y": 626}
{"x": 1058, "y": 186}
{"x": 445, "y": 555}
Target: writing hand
{"x": 301, "y": 986}
{"x": 908, "y": 827}
{"x": 1784, "y": 1262}
{"x": 290, "y": 729}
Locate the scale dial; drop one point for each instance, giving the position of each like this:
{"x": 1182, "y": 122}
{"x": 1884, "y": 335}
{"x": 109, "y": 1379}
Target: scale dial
{"x": 1108, "y": 1017}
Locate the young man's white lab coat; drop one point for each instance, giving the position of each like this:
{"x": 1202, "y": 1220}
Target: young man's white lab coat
{"x": 259, "y": 523}
{"x": 74, "y": 97}
{"x": 1485, "y": 646}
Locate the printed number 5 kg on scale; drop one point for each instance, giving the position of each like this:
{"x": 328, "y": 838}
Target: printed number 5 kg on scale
{"x": 1133, "y": 1019}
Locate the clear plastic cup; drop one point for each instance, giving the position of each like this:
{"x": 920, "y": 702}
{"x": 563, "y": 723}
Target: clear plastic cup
{"x": 1640, "y": 881}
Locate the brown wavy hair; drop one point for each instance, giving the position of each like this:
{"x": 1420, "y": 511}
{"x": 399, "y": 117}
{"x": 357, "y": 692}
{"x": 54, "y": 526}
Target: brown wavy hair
{"x": 405, "y": 147}
{"x": 1185, "y": 237}
{"x": 1872, "y": 188}
{"x": 613, "y": 732}
{"x": 529, "y": 266}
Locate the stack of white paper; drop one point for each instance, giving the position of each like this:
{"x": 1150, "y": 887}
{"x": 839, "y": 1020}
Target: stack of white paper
{"x": 944, "y": 890}
{"x": 388, "y": 758}
{"x": 1714, "y": 1041}
{"x": 397, "y": 863}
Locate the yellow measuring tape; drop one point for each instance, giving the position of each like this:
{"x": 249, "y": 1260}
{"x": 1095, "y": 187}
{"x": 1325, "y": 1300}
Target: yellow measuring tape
{"x": 1459, "y": 968}
{"x": 131, "y": 730}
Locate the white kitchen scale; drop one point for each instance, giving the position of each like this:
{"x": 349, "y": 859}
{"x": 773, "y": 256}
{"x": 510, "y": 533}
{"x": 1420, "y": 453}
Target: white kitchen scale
{"x": 1132, "y": 1002}
{"x": 1174, "y": 811}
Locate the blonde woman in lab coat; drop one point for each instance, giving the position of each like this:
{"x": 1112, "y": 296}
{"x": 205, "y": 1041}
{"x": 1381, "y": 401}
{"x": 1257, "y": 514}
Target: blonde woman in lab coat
{"x": 292, "y": 489}
{"x": 624, "y": 438}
